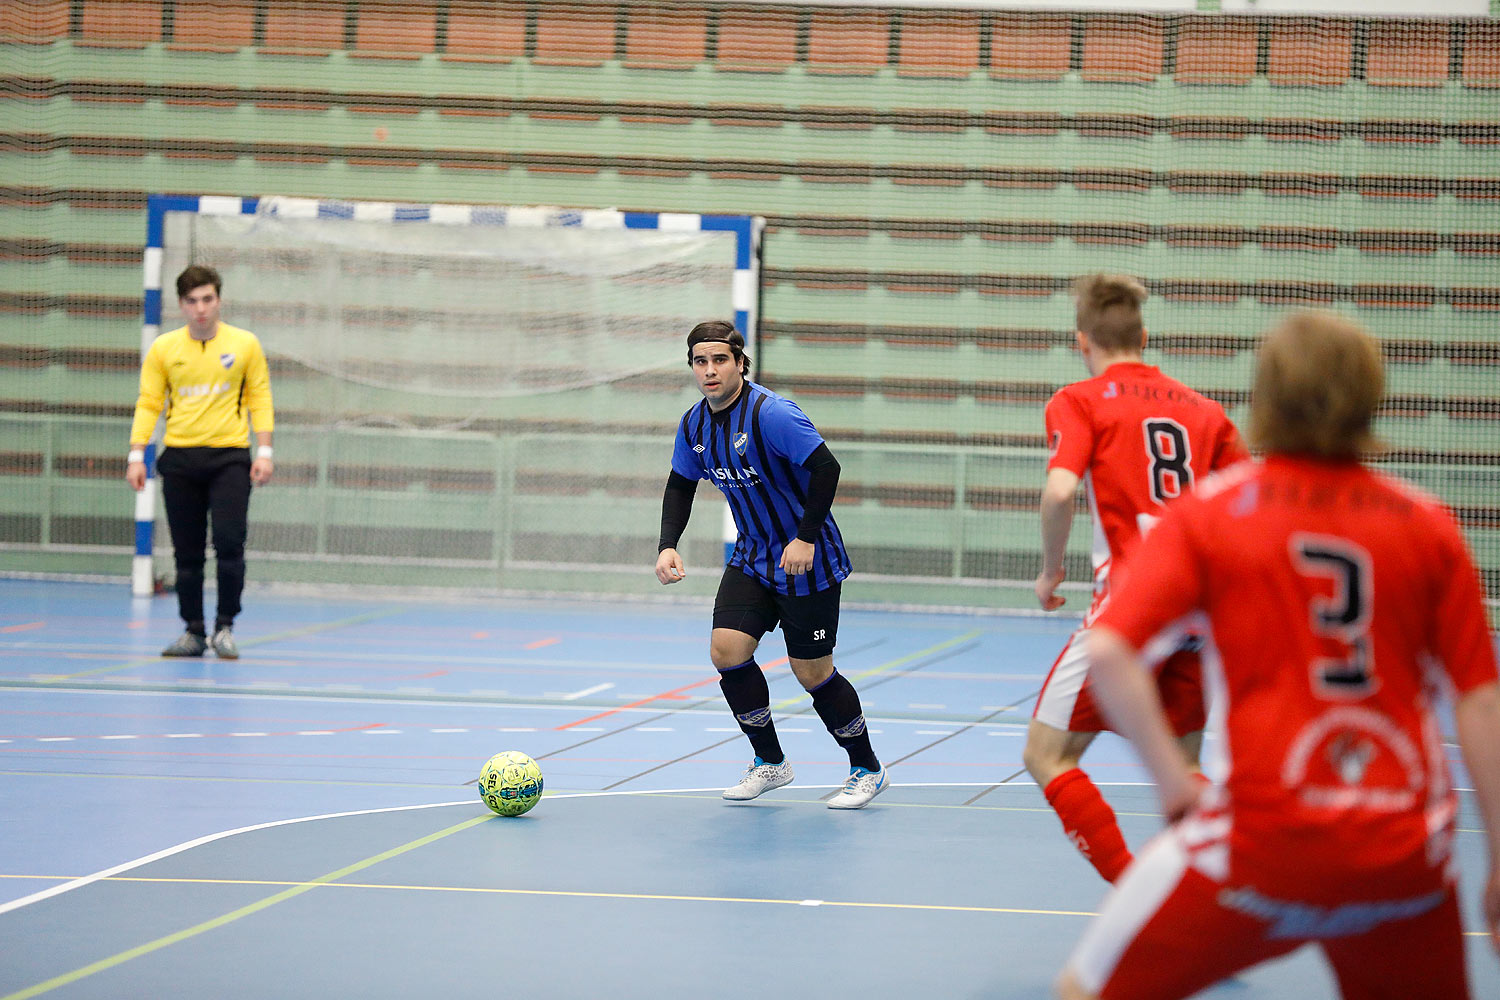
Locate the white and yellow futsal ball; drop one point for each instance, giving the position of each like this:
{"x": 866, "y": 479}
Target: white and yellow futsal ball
{"x": 510, "y": 783}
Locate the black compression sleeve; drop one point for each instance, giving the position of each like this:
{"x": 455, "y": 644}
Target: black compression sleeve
{"x": 676, "y": 506}
{"x": 820, "y": 490}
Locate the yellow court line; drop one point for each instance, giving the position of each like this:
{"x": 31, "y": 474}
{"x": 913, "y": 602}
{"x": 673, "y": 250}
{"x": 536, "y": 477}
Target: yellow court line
{"x": 891, "y": 665}
{"x": 579, "y": 894}
{"x": 259, "y": 640}
{"x": 296, "y": 889}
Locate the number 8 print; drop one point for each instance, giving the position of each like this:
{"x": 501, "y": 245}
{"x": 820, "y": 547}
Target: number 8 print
{"x": 1171, "y": 458}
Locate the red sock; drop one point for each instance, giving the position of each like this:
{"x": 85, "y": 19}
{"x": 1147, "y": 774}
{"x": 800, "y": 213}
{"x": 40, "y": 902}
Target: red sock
{"x": 1089, "y": 822}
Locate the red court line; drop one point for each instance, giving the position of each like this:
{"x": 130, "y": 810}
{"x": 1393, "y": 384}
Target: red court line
{"x": 664, "y": 696}
{"x": 27, "y": 627}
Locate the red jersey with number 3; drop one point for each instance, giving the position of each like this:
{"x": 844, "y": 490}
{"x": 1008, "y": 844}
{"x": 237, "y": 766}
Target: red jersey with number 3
{"x": 1339, "y": 600}
{"x": 1138, "y": 439}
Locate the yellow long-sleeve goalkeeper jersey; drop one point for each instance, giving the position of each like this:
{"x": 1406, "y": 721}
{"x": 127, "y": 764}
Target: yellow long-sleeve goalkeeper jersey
{"x": 211, "y": 388}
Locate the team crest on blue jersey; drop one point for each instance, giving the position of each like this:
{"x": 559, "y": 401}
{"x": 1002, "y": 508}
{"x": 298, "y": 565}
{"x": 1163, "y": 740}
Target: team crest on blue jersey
{"x": 698, "y": 448}
{"x": 740, "y": 441}
{"x": 226, "y": 359}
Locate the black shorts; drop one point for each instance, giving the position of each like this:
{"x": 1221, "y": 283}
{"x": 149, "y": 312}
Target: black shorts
{"x": 809, "y": 624}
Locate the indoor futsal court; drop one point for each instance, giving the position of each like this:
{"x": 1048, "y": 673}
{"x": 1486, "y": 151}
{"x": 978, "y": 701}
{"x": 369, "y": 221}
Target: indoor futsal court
{"x": 471, "y": 237}
{"x": 303, "y": 822}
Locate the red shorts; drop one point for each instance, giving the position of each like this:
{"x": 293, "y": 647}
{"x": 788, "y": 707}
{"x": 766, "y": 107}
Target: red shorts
{"x": 1169, "y": 930}
{"x": 1067, "y": 703}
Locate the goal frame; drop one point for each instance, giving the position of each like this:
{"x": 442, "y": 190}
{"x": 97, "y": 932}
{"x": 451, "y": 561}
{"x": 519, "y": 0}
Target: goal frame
{"x": 745, "y": 288}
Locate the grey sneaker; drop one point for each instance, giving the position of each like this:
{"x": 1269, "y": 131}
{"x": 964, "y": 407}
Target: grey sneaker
{"x": 186, "y": 644}
{"x": 760, "y": 777}
{"x": 859, "y": 789}
{"x": 223, "y": 644}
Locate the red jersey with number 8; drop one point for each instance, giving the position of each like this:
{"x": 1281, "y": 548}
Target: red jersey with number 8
{"x": 1339, "y": 600}
{"x": 1138, "y": 439}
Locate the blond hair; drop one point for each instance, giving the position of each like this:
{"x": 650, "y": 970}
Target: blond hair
{"x": 1109, "y": 311}
{"x": 1319, "y": 379}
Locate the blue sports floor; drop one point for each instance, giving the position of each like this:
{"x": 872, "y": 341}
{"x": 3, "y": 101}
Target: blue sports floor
{"x": 302, "y": 822}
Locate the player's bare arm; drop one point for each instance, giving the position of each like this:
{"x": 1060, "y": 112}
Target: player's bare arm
{"x": 262, "y": 467}
{"x": 1477, "y": 719}
{"x": 1057, "y": 519}
{"x": 1130, "y": 702}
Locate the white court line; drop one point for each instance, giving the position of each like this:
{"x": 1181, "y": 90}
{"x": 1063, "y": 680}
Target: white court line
{"x": 651, "y": 709}
{"x": 79, "y": 883}
{"x": 82, "y": 881}
{"x": 586, "y": 692}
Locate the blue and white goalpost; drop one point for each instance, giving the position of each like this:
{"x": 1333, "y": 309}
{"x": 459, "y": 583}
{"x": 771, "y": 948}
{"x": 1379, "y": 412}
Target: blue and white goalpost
{"x": 162, "y": 256}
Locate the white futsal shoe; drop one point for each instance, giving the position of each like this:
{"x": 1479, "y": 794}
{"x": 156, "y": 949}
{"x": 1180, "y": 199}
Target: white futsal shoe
{"x": 861, "y": 787}
{"x": 223, "y": 644}
{"x": 759, "y": 778}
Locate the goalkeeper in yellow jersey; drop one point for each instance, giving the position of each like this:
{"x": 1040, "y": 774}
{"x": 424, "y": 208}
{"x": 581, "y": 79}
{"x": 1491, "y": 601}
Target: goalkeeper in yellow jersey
{"x": 213, "y": 382}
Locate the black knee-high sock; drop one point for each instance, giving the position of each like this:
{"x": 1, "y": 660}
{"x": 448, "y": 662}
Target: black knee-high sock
{"x": 749, "y": 698}
{"x": 838, "y": 706}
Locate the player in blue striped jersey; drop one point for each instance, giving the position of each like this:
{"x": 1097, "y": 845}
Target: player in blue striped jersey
{"x": 787, "y": 566}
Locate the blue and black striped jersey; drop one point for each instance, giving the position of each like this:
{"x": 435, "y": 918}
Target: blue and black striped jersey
{"x": 753, "y": 452}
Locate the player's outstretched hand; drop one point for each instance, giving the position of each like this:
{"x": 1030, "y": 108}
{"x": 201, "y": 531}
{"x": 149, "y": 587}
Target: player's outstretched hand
{"x": 1046, "y": 589}
{"x": 135, "y": 475}
{"x": 669, "y": 567}
{"x": 1492, "y": 907}
{"x": 797, "y": 557}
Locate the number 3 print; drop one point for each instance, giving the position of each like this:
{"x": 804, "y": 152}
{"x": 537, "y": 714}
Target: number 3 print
{"x": 1343, "y": 618}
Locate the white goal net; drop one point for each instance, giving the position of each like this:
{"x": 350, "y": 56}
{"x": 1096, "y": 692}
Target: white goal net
{"x": 466, "y": 396}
